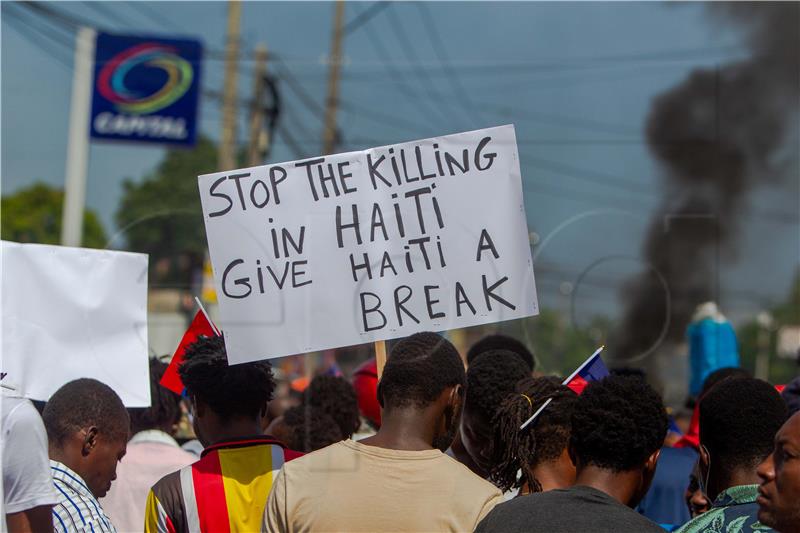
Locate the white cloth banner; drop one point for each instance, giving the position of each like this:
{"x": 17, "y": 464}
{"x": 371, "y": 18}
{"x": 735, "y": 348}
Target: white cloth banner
{"x": 71, "y": 313}
{"x": 372, "y": 245}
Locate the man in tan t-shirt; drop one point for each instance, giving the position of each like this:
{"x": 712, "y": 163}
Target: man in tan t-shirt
{"x": 398, "y": 479}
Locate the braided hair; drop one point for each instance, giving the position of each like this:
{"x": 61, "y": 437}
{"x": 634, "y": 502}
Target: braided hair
{"x": 541, "y": 441}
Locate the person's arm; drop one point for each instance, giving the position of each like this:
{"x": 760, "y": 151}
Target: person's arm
{"x": 275, "y": 513}
{"x": 155, "y": 516}
{"x": 35, "y": 520}
{"x": 484, "y": 522}
{"x": 28, "y": 490}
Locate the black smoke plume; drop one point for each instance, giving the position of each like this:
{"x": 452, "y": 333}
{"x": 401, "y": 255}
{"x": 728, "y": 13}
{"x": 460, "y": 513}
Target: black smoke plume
{"x": 716, "y": 136}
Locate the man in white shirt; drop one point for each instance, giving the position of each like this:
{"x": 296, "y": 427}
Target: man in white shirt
{"x": 28, "y": 491}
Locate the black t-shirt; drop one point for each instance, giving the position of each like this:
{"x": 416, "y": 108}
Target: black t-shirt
{"x": 577, "y": 509}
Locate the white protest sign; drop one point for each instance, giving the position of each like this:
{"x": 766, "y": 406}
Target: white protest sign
{"x": 71, "y": 313}
{"x": 371, "y": 245}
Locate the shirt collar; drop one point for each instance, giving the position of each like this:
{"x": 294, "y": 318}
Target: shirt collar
{"x": 64, "y": 473}
{"x": 737, "y": 495}
{"x": 154, "y": 435}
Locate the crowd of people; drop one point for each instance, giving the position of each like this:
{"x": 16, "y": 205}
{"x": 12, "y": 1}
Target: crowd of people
{"x": 436, "y": 442}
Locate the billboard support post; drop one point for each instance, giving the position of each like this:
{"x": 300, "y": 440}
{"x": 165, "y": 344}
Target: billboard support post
{"x": 78, "y": 139}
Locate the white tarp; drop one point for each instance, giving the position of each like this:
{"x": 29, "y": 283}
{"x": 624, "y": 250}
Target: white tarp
{"x": 371, "y": 245}
{"x": 69, "y": 313}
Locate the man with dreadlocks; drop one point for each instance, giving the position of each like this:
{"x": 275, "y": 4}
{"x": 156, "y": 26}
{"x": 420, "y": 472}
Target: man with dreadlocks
{"x": 227, "y": 489}
{"x": 540, "y": 451}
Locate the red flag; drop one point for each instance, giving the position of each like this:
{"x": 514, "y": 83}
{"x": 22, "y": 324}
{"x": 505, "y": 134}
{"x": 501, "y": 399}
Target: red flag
{"x": 199, "y": 326}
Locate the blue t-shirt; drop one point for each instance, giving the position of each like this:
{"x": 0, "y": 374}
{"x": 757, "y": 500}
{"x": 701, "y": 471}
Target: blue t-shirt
{"x": 664, "y": 502}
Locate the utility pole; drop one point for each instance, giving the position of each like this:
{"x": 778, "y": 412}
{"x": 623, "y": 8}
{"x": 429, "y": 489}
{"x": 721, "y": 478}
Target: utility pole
{"x": 259, "y": 137}
{"x": 331, "y": 103}
{"x": 227, "y": 144}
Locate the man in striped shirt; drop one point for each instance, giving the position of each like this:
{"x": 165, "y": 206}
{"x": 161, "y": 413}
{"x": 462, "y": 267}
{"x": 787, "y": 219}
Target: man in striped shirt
{"x": 226, "y": 490}
{"x": 88, "y": 429}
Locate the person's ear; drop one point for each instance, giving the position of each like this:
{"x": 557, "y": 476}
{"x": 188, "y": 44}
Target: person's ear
{"x": 652, "y": 461}
{"x": 379, "y": 393}
{"x": 456, "y": 396}
{"x": 89, "y": 441}
{"x": 705, "y": 457}
{"x": 198, "y": 407}
{"x": 572, "y": 456}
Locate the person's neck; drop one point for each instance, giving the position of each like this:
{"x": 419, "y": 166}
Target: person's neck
{"x": 551, "y": 476}
{"x": 403, "y": 429}
{"x": 462, "y": 456}
{"x": 619, "y": 485}
{"x": 67, "y": 458}
{"x": 236, "y": 429}
{"x": 735, "y": 478}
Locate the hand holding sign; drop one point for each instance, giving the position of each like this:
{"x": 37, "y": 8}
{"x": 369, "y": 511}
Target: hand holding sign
{"x": 365, "y": 246}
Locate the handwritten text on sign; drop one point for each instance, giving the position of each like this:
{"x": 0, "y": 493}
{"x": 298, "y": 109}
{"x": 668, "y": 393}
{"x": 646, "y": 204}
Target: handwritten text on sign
{"x": 364, "y": 246}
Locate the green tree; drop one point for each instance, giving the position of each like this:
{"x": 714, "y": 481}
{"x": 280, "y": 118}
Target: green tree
{"x": 558, "y": 346}
{"x": 785, "y": 314}
{"x": 33, "y": 214}
{"x": 161, "y": 214}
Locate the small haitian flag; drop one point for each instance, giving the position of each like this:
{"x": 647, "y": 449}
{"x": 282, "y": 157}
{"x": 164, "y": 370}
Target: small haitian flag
{"x": 593, "y": 369}
{"x": 200, "y": 325}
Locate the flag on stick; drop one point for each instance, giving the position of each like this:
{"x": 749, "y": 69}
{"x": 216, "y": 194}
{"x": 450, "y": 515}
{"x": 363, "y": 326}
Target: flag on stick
{"x": 593, "y": 369}
{"x": 201, "y": 325}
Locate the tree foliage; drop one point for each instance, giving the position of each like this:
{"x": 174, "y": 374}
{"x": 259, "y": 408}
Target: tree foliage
{"x": 787, "y": 313}
{"x": 33, "y": 214}
{"x": 161, "y": 214}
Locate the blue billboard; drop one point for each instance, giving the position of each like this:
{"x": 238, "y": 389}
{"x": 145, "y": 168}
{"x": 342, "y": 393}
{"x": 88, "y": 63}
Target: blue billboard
{"x": 146, "y": 89}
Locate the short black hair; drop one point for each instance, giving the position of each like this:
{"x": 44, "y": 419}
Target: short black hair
{"x": 628, "y": 371}
{"x": 165, "y": 405}
{"x": 618, "y": 422}
{"x": 229, "y": 390}
{"x": 310, "y": 428}
{"x": 336, "y": 397}
{"x": 491, "y": 377}
{"x": 738, "y": 422}
{"x": 722, "y": 374}
{"x": 83, "y": 403}
{"x": 418, "y": 370}
{"x": 542, "y": 441}
{"x": 501, "y": 342}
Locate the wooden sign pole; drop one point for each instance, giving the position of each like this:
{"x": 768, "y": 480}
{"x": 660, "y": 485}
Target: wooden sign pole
{"x": 380, "y": 356}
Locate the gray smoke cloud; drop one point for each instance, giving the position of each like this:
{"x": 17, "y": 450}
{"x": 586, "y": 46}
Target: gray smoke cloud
{"x": 716, "y": 135}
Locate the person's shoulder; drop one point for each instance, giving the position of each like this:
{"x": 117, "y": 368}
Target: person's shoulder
{"x": 297, "y": 461}
{"x": 19, "y": 412}
{"x": 170, "y": 482}
{"x": 469, "y": 478}
{"x": 506, "y": 515}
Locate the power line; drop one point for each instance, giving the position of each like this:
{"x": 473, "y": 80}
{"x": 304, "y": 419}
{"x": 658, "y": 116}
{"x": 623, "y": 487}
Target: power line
{"x": 72, "y": 21}
{"x": 441, "y": 54}
{"x": 297, "y": 87}
{"x": 364, "y": 17}
{"x": 408, "y": 49}
{"x": 405, "y": 89}
{"x": 156, "y": 18}
{"x": 105, "y": 12}
{"x": 53, "y": 51}
{"x": 379, "y": 117}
